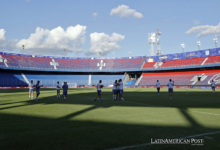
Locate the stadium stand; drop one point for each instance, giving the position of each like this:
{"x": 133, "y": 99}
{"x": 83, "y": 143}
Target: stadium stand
{"x": 50, "y": 79}
{"x": 106, "y": 79}
{"x": 29, "y": 62}
{"x": 11, "y": 79}
{"x": 130, "y": 83}
{"x": 181, "y": 78}
{"x": 183, "y": 62}
{"x": 87, "y": 71}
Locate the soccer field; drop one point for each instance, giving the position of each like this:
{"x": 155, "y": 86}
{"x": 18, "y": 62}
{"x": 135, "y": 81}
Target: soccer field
{"x": 81, "y": 123}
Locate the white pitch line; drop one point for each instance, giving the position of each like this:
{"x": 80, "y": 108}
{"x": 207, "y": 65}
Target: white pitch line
{"x": 175, "y": 107}
{"x": 204, "y": 112}
{"x": 208, "y": 137}
{"x": 145, "y": 144}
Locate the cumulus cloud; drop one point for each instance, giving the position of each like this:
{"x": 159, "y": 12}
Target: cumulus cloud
{"x": 55, "y": 40}
{"x": 4, "y": 42}
{"x": 2, "y": 35}
{"x": 205, "y": 30}
{"x": 101, "y": 42}
{"x": 125, "y": 11}
{"x": 95, "y": 14}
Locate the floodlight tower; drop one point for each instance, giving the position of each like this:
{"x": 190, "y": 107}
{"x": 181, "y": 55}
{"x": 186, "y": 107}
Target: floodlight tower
{"x": 113, "y": 54}
{"x": 129, "y": 54}
{"x": 23, "y": 49}
{"x": 99, "y": 53}
{"x": 215, "y": 42}
{"x": 158, "y": 42}
{"x": 3, "y": 49}
{"x": 198, "y": 45}
{"x": 151, "y": 40}
{"x": 64, "y": 52}
{"x": 183, "y": 46}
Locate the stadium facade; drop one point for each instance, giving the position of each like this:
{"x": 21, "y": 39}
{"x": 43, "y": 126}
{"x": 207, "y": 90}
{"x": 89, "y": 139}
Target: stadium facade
{"x": 188, "y": 69}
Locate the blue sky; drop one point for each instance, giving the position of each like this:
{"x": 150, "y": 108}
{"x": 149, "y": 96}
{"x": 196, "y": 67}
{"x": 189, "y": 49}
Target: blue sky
{"x": 20, "y": 18}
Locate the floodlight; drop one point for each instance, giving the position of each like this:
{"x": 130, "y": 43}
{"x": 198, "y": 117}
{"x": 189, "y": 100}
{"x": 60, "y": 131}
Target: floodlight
{"x": 215, "y": 39}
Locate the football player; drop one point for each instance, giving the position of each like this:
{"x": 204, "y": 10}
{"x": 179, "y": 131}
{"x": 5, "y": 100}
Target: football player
{"x": 58, "y": 89}
{"x": 99, "y": 92}
{"x": 158, "y": 87}
{"x": 31, "y": 90}
{"x": 38, "y": 86}
{"x": 170, "y": 88}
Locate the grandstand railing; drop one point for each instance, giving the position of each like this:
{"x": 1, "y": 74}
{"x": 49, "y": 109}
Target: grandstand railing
{"x": 50, "y": 82}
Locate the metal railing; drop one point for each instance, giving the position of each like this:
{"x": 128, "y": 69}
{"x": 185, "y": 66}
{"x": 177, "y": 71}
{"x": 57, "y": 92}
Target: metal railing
{"x": 50, "y": 82}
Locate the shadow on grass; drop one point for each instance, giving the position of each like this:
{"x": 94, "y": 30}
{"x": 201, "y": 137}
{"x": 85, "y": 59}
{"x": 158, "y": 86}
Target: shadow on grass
{"x": 30, "y": 132}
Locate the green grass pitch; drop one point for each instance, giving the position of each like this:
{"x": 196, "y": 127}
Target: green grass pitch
{"x": 80, "y": 123}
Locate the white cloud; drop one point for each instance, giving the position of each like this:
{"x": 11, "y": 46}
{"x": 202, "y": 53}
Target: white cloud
{"x": 2, "y": 35}
{"x": 4, "y": 42}
{"x": 101, "y": 42}
{"x": 205, "y": 30}
{"x": 95, "y": 14}
{"x": 55, "y": 40}
{"x": 195, "y": 22}
{"x": 124, "y": 11}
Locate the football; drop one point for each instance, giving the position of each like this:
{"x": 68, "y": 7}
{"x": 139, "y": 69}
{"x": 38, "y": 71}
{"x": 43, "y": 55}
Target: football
{"x": 101, "y": 86}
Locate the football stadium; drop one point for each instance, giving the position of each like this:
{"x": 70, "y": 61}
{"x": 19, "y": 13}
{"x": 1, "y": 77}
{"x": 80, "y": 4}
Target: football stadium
{"x": 79, "y": 122}
{"x": 157, "y": 101}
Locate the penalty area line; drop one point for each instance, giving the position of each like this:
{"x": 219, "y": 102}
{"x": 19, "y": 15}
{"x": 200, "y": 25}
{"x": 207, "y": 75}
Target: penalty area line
{"x": 145, "y": 144}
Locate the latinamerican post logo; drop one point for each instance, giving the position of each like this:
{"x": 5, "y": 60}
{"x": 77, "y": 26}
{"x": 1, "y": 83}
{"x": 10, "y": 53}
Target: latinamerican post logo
{"x": 191, "y": 141}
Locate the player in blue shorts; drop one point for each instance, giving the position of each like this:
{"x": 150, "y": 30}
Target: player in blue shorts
{"x": 158, "y": 87}
{"x": 117, "y": 91}
{"x": 99, "y": 92}
{"x": 38, "y": 86}
{"x": 213, "y": 86}
{"x": 58, "y": 89}
{"x": 65, "y": 89}
{"x": 120, "y": 84}
{"x": 170, "y": 88}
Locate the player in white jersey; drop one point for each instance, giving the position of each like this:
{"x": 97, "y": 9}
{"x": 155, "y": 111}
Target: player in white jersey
{"x": 120, "y": 85}
{"x": 158, "y": 87}
{"x": 58, "y": 89}
{"x": 31, "y": 90}
{"x": 213, "y": 86}
{"x": 170, "y": 88}
{"x": 99, "y": 86}
{"x": 115, "y": 90}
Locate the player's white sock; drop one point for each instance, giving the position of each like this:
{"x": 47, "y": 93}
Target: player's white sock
{"x": 29, "y": 97}
{"x": 32, "y": 97}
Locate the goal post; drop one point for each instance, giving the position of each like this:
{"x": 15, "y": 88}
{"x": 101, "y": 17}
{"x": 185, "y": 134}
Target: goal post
{"x": 72, "y": 85}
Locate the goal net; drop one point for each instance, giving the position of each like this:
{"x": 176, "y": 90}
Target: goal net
{"x": 72, "y": 85}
